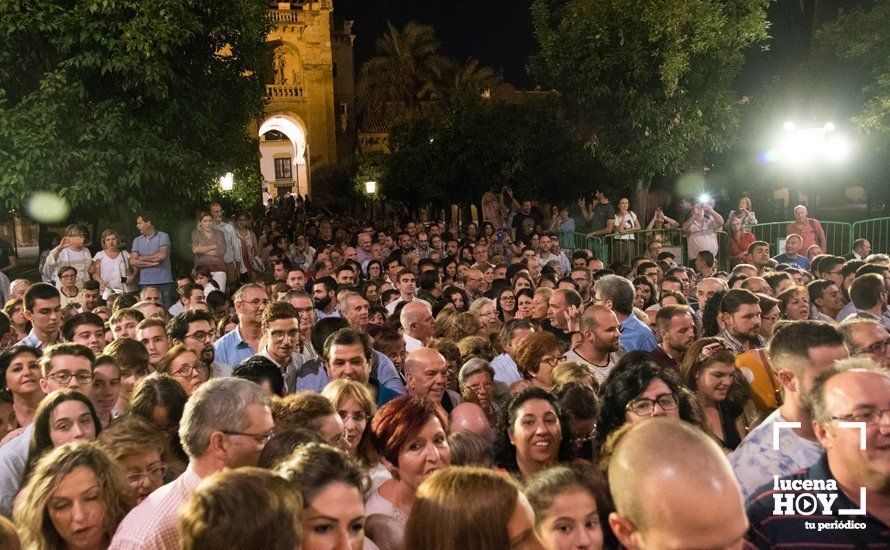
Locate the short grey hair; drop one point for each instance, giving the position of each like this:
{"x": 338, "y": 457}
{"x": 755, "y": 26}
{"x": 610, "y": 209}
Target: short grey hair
{"x": 219, "y": 405}
{"x": 343, "y": 299}
{"x": 408, "y": 316}
{"x": 878, "y": 259}
{"x": 480, "y": 303}
{"x": 471, "y": 367}
{"x": 619, "y": 291}
{"x": 814, "y": 401}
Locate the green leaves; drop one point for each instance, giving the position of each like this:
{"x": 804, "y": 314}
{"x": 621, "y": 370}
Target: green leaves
{"x": 118, "y": 103}
{"x": 650, "y": 81}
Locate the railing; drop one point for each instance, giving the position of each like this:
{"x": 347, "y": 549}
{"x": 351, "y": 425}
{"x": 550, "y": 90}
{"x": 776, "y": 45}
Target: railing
{"x": 876, "y": 231}
{"x": 284, "y": 93}
{"x": 284, "y": 16}
{"x": 837, "y": 236}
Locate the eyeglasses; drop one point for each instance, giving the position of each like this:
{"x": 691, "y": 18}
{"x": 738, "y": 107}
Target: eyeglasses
{"x": 203, "y": 335}
{"x": 261, "y": 439}
{"x": 552, "y": 361}
{"x": 878, "y": 348}
{"x": 279, "y": 335}
{"x": 154, "y": 474}
{"x": 64, "y": 377}
{"x": 646, "y": 407}
{"x": 476, "y": 388}
{"x": 582, "y": 439}
{"x": 190, "y": 370}
{"x": 870, "y": 417}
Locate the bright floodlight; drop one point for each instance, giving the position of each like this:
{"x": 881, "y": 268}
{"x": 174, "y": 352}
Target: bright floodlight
{"x": 837, "y": 149}
{"x": 829, "y": 127}
{"x": 371, "y": 187}
{"x": 806, "y": 147}
{"x": 704, "y": 198}
{"x": 227, "y": 181}
{"x": 789, "y": 126}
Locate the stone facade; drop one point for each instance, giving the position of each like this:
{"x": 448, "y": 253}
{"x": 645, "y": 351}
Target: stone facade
{"x": 310, "y": 115}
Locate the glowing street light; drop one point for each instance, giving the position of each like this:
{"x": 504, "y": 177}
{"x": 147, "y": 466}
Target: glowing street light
{"x": 802, "y": 147}
{"x": 227, "y": 181}
{"x": 371, "y": 187}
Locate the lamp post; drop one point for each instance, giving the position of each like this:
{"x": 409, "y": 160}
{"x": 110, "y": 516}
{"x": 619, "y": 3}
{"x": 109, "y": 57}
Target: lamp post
{"x": 371, "y": 190}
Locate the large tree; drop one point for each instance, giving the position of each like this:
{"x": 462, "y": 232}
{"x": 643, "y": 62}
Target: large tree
{"x": 123, "y": 104}
{"x": 649, "y": 81}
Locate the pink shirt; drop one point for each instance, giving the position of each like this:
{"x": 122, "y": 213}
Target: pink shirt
{"x": 154, "y": 523}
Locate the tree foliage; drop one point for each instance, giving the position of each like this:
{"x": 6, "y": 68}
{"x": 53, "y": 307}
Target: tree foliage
{"x": 454, "y": 155}
{"x": 650, "y": 81}
{"x": 126, "y": 104}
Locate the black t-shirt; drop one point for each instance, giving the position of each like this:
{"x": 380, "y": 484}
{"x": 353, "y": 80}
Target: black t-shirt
{"x": 6, "y": 250}
{"x": 602, "y": 213}
{"x": 525, "y": 224}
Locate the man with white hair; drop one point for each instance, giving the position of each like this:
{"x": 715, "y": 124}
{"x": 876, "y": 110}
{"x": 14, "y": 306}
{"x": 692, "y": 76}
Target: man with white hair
{"x": 809, "y": 229}
{"x": 418, "y": 325}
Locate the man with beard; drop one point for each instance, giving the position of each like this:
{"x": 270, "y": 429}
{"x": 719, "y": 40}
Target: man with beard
{"x": 194, "y": 330}
{"x": 324, "y": 292}
{"x": 740, "y": 313}
{"x": 676, "y": 326}
{"x": 581, "y": 277}
{"x": 281, "y": 335}
{"x": 91, "y": 298}
{"x": 600, "y": 339}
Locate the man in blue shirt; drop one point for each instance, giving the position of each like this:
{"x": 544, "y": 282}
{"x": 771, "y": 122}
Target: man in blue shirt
{"x": 791, "y": 256}
{"x": 151, "y": 254}
{"x": 617, "y": 294}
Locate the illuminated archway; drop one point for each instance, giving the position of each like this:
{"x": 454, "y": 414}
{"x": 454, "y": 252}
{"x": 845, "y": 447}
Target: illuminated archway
{"x": 295, "y": 131}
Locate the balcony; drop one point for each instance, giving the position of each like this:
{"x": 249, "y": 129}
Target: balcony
{"x": 284, "y": 16}
{"x": 283, "y": 93}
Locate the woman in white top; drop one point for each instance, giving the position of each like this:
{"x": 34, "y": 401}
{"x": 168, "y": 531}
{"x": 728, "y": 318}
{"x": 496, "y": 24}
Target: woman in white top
{"x": 70, "y": 251}
{"x": 701, "y": 230}
{"x": 111, "y": 265}
{"x": 744, "y": 214}
{"x": 625, "y": 223}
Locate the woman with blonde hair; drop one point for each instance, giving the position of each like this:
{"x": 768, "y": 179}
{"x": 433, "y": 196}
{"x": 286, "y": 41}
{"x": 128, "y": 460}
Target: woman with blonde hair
{"x": 536, "y": 357}
{"x": 76, "y": 476}
{"x": 355, "y": 405}
{"x": 111, "y": 265}
{"x": 139, "y": 447}
{"x": 463, "y": 325}
{"x": 469, "y": 508}
{"x": 14, "y": 309}
{"x": 488, "y": 316}
{"x": 570, "y": 372}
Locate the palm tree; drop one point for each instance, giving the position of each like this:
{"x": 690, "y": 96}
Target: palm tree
{"x": 472, "y": 79}
{"x": 406, "y": 69}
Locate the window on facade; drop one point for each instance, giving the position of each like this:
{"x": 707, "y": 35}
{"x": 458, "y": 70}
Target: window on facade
{"x": 283, "y": 169}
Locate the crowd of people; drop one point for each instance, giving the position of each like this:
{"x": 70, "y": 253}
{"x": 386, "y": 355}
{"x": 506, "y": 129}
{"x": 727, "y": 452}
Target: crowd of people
{"x": 316, "y": 382}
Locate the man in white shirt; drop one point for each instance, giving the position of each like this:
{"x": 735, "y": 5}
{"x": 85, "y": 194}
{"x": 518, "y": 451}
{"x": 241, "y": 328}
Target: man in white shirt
{"x": 233, "y": 243}
{"x": 513, "y": 332}
{"x": 418, "y": 325}
{"x": 600, "y": 339}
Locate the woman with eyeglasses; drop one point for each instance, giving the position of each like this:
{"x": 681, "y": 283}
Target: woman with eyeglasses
{"x": 638, "y": 389}
{"x": 138, "y": 446}
{"x": 161, "y": 400}
{"x": 709, "y": 370}
{"x": 185, "y": 367}
{"x": 489, "y": 323}
{"x": 506, "y": 304}
{"x": 476, "y": 379}
{"x": 536, "y": 357}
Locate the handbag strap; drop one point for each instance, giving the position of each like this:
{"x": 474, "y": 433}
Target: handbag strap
{"x": 774, "y": 382}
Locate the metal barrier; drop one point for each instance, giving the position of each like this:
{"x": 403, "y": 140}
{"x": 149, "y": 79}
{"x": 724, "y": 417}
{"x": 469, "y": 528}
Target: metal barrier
{"x": 837, "y": 236}
{"x": 876, "y": 231}
{"x": 622, "y": 248}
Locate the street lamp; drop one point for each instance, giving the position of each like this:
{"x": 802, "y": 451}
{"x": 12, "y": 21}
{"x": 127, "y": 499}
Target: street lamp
{"x": 802, "y": 147}
{"x": 371, "y": 187}
{"x": 227, "y": 181}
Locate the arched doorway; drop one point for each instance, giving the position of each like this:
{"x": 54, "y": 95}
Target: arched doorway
{"x": 283, "y": 159}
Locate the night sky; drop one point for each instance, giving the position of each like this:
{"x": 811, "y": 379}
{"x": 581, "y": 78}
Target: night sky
{"x": 499, "y": 33}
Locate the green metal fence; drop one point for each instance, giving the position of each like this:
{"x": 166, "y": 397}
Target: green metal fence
{"x": 876, "y": 230}
{"x": 839, "y": 237}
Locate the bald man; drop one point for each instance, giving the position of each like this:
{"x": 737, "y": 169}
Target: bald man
{"x": 853, "y": 474}
{"x": 426, "y": 373}
{"x": 469, "y": 417}
{"x": 683, "y": 496}
{"x": 418, "y": 325}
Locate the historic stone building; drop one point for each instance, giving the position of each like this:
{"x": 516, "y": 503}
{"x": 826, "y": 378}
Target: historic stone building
{"x": 310, "y": 116}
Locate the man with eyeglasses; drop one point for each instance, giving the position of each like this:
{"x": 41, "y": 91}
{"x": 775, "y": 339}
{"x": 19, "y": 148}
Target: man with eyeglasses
{"x": 581, "y": 277}
{"x": 194, "y": 330}
{"x": 867, "y": 338}
{"x": 239, "y": 344}
{"x": 62, "y": 366}
{"x": 281, "y": 334}
{"x": 305, "y": 310}
{"x": 798, "y": 352}
{"x": 226, "y": 424}
{"x": 855, "y": 391}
